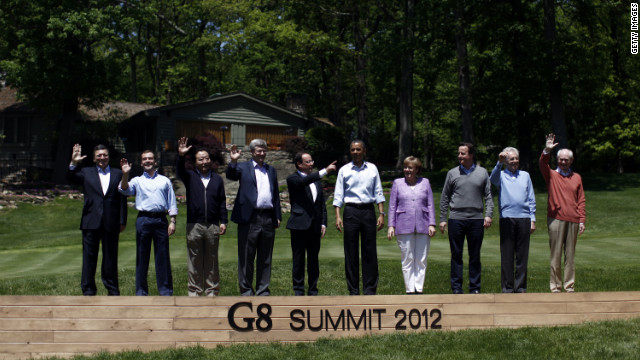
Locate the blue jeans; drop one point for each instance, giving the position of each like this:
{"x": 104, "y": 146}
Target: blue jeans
{"x": 148, "y": 230}
{"x": 473, "y": 230}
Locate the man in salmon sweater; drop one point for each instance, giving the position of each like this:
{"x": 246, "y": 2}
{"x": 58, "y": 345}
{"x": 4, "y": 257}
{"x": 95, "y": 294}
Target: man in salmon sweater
{"x": 565, "y": 213}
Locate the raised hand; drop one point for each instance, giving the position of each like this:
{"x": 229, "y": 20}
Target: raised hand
{"x": 76, "y": 154}
{"x": 331, "y": 168}
{"x": 235, "y": 153}
{"x": 183, "y": 149}
{"x": 125, "y": 166}
{"x": 503, "y": 157}
{"x": 550, "y": 144}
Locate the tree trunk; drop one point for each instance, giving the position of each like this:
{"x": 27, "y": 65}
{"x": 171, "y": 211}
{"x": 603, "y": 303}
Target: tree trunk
{"x": 463, "y": 74}
{"x": 522, "y": 86}
{"x": 361, "y": 79}
{"x": 134, "y": 75}
{"x": 558, "y": 122}
{"x": 202, "y": 65}
{"x": 405, "y": 88}
{"x": 63, "y": 147}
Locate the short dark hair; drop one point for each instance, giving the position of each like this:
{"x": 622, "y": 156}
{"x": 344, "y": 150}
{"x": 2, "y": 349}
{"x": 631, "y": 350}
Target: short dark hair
{"x": 203, "y": 149}
{"x": 147, "y": 151}
{"x": 298, "y": 158}
{"x": 359, "y": 142}
{"x": 100, "y": 147}
{"x": 470, "y": 146}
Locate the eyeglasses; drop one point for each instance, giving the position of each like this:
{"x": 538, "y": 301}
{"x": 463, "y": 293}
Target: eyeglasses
{"x": 309, "y": 162}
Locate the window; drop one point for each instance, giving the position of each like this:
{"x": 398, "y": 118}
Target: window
{"x": 14, "y": 130}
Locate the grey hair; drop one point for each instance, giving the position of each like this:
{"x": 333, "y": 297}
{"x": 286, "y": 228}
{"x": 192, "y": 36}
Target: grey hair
{"x": 510, "y": 149}
{"x": 257, "y": 143}
{"x": 567, "y": 151}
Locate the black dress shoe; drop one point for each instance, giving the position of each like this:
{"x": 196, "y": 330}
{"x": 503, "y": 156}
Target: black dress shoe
{"x": 475, "y": 291}
{"x": 457, "y": 291}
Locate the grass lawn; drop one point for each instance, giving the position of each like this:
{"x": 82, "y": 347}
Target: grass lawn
{"x": 40, "y": 248}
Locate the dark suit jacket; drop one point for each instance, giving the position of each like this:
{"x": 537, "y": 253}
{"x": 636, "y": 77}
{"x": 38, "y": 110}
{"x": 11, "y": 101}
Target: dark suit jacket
{"x": 303, "y": 209}
{"x": 248, "y": 191}
{"x": 109, "y": 209}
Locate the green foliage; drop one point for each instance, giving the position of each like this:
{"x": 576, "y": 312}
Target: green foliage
{"x": 164, "y": 52}
{"x": 59, "y": 51}
{"x": 326, "y": 144}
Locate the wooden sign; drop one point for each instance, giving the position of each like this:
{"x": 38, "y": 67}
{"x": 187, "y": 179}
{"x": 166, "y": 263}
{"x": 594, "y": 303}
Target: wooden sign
{"x": 32, "y": 326}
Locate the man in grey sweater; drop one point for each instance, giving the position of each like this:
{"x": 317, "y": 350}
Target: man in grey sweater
{"x": 465, "y": 188}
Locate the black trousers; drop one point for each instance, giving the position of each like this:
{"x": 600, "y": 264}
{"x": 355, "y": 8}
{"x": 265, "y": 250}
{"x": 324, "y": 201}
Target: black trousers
{"x": 515, "y": 235}
{"x": 91, "y": 240}
{"x": 473, "y": 230}
{"x": 305, "y": 242}
{"x": 360, "y": 226}
{"x": 256, "y": 238}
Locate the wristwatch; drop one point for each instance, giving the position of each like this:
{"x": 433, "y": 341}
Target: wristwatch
{"x": 383, "y": 213}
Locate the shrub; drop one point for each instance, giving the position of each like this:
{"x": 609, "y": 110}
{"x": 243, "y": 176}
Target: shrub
{"x": 295, "y": 145}
{"x": 326, "y": 144}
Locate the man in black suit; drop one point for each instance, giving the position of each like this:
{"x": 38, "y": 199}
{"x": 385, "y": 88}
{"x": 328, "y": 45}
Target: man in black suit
{"x": 308, "y": 220}
{"x": 104, "y": 217}
{"x": 257, "y": 212}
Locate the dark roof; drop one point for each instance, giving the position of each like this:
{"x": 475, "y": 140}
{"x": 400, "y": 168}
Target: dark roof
{"x": 113, "y": 110}
{"x": 222, "y": 97}
{"x": 9, "y": 101}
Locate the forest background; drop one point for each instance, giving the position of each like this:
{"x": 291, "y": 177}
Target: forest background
{"x": 413, "y": 76}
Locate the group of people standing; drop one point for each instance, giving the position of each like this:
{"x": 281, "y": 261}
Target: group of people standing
{"x": 466, "y": 198}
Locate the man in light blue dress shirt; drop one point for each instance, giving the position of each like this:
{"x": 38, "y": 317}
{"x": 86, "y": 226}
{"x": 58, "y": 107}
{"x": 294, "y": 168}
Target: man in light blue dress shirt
{"x": 154, "y": 198}
{"x": 358, "y": 188}
{"x": 517, "y": 204}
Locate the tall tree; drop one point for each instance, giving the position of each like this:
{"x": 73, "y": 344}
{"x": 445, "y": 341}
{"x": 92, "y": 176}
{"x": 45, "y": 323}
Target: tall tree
{"x": 555, "y": 83}
{"x": 58, "y": 54}
{"x": 405, "y": 85}
{"x": 463, "y": 72}
{"x": 364, "y": 25}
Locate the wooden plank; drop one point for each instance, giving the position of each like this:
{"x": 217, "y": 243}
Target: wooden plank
{"x": 468, "y": 320}
{"x": 604, "y": 307}
{"x": 556, "y": 319}
{"x": 159, "y": 336}
{"x": 115, "y": 312}
{"x": 77, "y": 348}
{"x": 86, "y": 324}
{"x": 569, "y": 297}
{"x": 24, "y": 337}
{"x": 88, "y": 300}
{"x": 70, "y": 325}
{"x": 505, "y": 308}
{"x": 25, "y": 312}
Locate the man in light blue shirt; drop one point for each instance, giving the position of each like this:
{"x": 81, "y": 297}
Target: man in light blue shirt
{"x": 358, "y": 188}
{"x": 517, "y": 219}
{"x": 154, "y": 198}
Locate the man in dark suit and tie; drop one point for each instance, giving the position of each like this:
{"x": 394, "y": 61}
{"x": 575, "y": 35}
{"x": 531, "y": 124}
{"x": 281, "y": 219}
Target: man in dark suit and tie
{"x": 257, "y": 212}
{"x": 104, "y": 217}
{"x": 308, "y": 220}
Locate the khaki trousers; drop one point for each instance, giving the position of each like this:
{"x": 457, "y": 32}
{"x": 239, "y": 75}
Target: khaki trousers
{"x": 563, "y": 236}
{"x": 202, "y": 249}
